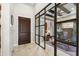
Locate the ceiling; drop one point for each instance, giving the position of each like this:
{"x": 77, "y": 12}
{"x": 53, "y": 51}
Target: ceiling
{"x": 31, "y": 4}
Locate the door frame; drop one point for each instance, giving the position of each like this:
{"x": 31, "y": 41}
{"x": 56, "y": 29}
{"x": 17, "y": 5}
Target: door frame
{"x": 19, "y": 28}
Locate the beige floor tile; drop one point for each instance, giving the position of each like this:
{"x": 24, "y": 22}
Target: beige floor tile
{"x": 33, "y": 49}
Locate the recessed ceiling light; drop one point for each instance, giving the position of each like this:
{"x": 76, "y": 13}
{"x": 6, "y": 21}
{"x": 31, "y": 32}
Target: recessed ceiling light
{"x": 62, "y": 11}
{"x": 72, "y": 9}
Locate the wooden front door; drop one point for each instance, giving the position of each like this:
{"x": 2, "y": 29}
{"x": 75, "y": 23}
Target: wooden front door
{"x": 24, "y": 30}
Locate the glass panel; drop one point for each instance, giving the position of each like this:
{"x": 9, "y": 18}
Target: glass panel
{"x": 42, "y": 30}
{"x": 66, "y": 31}
{"x": 37, "y": 22}
{"x": 42, "y": 41}
{"x": 66, "y": 38}
{"x": 66, "y": 11}
{"x": 42, "y": 36}
{"x": 37, "y": 30}
{"x": 50, "y": 27}
{"x": 37, "y": 39}
{"x": 42, "y": 20}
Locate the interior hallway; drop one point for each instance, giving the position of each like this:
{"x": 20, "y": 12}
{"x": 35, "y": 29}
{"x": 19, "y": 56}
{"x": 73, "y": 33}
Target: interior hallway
{"x": 33, "y": 49}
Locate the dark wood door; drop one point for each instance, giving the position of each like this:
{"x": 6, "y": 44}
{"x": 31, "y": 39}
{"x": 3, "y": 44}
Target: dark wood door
{"x": 24, "y": 30}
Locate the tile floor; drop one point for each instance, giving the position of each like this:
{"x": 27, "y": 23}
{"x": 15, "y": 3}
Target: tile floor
{"x": 71, "y": 50}
{"x": 33, "y": 49}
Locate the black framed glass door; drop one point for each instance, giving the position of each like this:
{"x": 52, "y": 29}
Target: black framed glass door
{"x": 40, "y": 29}
{"x": 66, "y": 28}
{"x": 37, "y": 38}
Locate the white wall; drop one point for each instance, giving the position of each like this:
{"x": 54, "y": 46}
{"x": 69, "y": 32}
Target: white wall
{"x": 22, "y": 10}
{"x": 5, "y": 30}
{"x": 39, "y": 6}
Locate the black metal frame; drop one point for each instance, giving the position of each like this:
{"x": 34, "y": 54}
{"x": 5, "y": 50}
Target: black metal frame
{"x": 55, "y": 31}
{"x": 44, "y": 29}
{"x": 70, "y": 20}
{"x": 35, "y": 32}
{"x": 44, "y": 9}
{"x": 55, "y": 26}
{"x": 38, "y": 31}
{"x": 77, "y": 30}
